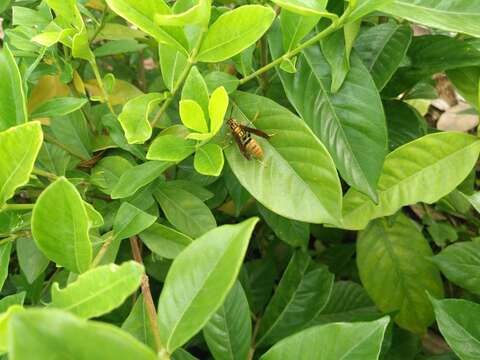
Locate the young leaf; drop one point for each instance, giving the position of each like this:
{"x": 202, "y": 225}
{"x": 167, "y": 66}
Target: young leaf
{"x": 142, "y": 13}
{"x": 300, "y": 297}
{"x": 165, "y": 241}
{"x": 98, "y": 291}
{"x": 461, "y": 16}
{"x": 60, "y": 226}
{"x": 408, "y": 179}
{"x": 5, "y": 250}
{"x": 461, "y": 264}
{"x": 458, "y": 322}
{"x": 382, "y": 48}
{"x": 59, "y": 106}
{"x": 137, "y": 177}
{"x": 352, "y": 119}
{"x": 134, "y": 117}
{"x": 228, "y": 332}
{"x": 19, "y": 147}
{"x": 185, "y": 211}
{"x": 172, "y": 64}
{"x": 38, "y": 331}
{"x": 196, "y": 89}
{"x": 209, "y": 265}
{"x": 395, "y": 270}
{"x": 130, "y": 221}
{"x": 170, "y": 148}
{"x": 209, "y": 160}
{"x": 355, "y": 341}
{"x": 217, "y": 107}
{"x": 234, "y": 31}
{"x": 294, "y": 159}
{"x": 193, "y": 116}
{"x": 13, "y": 108}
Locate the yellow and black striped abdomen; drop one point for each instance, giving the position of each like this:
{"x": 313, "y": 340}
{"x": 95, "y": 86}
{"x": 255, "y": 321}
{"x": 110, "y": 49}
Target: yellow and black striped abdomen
{"x": 253, "y": 148}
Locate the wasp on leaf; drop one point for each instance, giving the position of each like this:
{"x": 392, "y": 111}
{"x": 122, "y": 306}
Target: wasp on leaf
{"x": 243, "y": 137}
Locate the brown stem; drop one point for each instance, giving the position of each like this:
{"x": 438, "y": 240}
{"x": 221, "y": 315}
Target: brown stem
{"x": 147, "y": 295}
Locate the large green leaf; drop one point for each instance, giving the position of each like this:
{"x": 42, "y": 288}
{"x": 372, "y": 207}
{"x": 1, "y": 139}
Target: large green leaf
{"x": 13, "y": 108}
{"x": 382, "y": 48}
{"x": 228, "y": 332}
{"x": 58, "y": 106}
{"x": 98, "y": 291}
{"x": 185, "y": 211}
{"x": 234, "y": 31}
{"x": 207, "y": 267}
{"x": 460, "y": 263}
{"x": 134, "y": 117}
{"x": 130, "y": 221}
{"x": 42, "y": 331}
{"x": 19, "y": 147}
{"x": 294, "y": 159}
{"x": 300, "y": 297}
{"x": 137, "y": 177}
{"x": 352, "y": 341}
{"x": 60, "y": 226}
{"x": 142, "y": 14}
{"x": 458, "y": 322}
{"x": 396, "y": 272}
{"x": 106, "y": 173}
{"x": 423, "y": 170}
{"x": 350, "y": 123}
{"x": 73, "y": 132}
{"x": 461, "y": 16}
{"x": 165, "y": 241}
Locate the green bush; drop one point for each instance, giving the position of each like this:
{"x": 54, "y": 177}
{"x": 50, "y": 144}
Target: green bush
{"x": 278, "y": 180}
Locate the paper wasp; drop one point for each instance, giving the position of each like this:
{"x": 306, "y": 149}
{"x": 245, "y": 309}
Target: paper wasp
{"x": 243, "y": 137}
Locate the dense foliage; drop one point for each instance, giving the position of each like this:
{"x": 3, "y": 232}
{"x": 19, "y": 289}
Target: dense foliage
{"x": 335, "y": 218}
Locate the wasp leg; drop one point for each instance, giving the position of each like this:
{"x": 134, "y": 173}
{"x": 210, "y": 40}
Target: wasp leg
{"x": 255, "y": 131}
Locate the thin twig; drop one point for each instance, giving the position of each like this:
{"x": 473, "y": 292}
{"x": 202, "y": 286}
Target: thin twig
{"x": 254, "y": 337}
{"x": 147, "y": 295}
{"x": 102, "y": 251}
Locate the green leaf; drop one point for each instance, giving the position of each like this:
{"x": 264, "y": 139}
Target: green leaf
{"x": 348, "y": 302}
{"x": 294, "y": 159}
{"x": 106, "y": 173}
{"x": 172, "y": 64}
{"x": 196, "y": 89}
{"x": 337, "y": 55}
{"x": 357, "y": 341}
{"x": 119, "y": 47}
{"x": 134, "y": 117}
{"x": 405, "y": 124}
{"x": 305, "y": 7}
{"x": 394, "y": 268}
{"x": 364, "y": 7}
{"x": 60, "y": 226}
{"x": 165, "y": 241}
{"x": 234, "y": 31}
{"x": 73, "y": 132}
{"x": 137, "y": 177}
{"x": 94, "y": 217}
{"x": 458, "y": 322}
{"x": 15, "y": 299}
{"x": 130, "y": 221}
{"x": 228, "y": 332}
{"x": 209, "y": 160}
{"x": 461, "y": 264}
{"x": 19, "y": 147}
{"x": 407, "y": 179}
{"x": 5, "y": 250}
{"x": 138, "y": 323}
{"x": 295, "y": 27}
{"x": 300, "y": 297}
{"x": 170, "y": 148}
{"x": 13, "y": 108}
{"x": 30, "y": 258}
{"x": 294, "y": 233}
{"x": 38, "y": 331}
{"x": 142, "y": 14}
{"x": 185, "y": 211}
{"x": 193, "y": 116}
{"x": 4, "y": 322}
{"x": 382, "y": 48}
{"x": 352, "y": 119}
{"x": 217, "y": 107}
{"x": 58, "y": 106}
{"x": 98, "y": 291}
{"x": 209, "y": 265}
{"x": 216, "y": 79}
{"x": 198, "y": 14}
{"x": 467, "y": 82}
{"x": 461, "y": 16}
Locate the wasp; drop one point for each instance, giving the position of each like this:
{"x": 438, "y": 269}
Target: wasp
{"x": 243, "y": 137}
